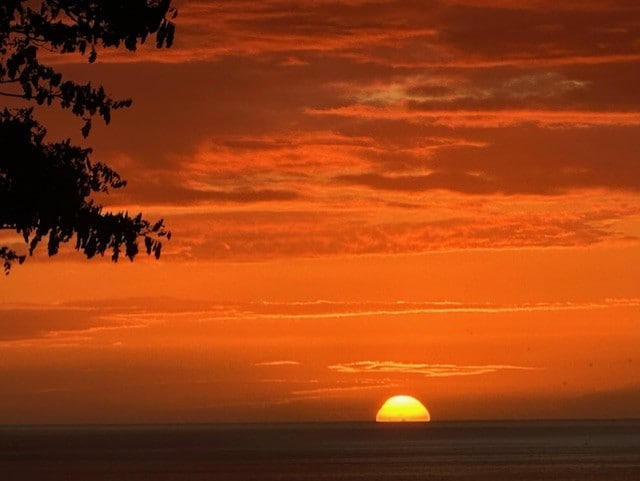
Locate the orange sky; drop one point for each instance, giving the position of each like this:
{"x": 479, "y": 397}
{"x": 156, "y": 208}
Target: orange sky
{"x": 368, "y": 198}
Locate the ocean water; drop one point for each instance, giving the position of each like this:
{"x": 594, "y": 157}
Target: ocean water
{"x": 495, "y": 451}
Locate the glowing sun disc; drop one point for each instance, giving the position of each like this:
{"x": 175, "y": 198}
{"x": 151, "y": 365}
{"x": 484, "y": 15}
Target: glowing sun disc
{"x": 399, "y": 409}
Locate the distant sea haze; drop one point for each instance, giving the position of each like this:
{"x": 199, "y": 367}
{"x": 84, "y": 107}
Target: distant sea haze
{"x": 478, "y": 451}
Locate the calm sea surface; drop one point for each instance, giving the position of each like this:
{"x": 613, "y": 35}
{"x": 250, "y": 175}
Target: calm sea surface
{"x": 496, "y": 451}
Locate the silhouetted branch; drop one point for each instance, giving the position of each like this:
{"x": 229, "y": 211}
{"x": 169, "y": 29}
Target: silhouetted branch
{"x": 46, "y": 188}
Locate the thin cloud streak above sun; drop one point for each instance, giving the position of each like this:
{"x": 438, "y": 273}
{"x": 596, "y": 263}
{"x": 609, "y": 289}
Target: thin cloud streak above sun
{"x": 427, "y": 370}
{"x": 329, "y": 392}
{"x": 277, "y": 363}
{"x": 55, "y": 324}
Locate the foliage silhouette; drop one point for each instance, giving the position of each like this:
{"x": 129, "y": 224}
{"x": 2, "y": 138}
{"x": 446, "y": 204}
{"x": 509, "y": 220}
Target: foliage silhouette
{"x": 45, "y": 188}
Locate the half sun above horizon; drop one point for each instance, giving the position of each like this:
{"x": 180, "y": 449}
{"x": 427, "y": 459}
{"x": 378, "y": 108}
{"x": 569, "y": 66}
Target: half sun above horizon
{"x": 403, "y": 408}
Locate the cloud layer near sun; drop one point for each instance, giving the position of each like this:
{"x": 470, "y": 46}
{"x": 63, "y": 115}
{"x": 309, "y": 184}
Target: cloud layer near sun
{"x": 53, "y": 325}
{"x": 162, "y": 359}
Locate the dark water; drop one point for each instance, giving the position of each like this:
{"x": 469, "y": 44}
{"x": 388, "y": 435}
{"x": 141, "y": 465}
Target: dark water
{"x": 496, "y": 451}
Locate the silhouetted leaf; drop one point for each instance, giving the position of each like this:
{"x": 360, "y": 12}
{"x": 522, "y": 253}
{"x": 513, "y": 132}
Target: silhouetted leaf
{"x": 86, "y": 128}
{"x": 148, "y": 243}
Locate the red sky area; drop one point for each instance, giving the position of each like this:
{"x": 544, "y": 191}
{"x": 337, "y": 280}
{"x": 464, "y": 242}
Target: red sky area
{"x": 367, "y": 198}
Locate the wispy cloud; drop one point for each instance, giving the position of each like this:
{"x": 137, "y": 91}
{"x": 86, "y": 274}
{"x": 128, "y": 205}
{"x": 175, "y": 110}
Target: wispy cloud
{"x": 324, "y": 309}
{"x": 336, "y": 310}
{"x": 438, "y": 90}
{"x": 380, "y": 31}
{"x": 488, "y": 118}
{"x": 60, "y": 325}
{"x": 277, "y": 363}
{"x": 424, "y": 369}
{"x": 339, "y": 391}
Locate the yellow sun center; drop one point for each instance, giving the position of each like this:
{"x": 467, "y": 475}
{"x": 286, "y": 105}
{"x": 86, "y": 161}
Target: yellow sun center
{"x": 402, "y": 409}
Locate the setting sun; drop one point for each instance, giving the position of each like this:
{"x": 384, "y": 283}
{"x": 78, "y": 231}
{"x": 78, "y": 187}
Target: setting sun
{"x": 402, "y": 409}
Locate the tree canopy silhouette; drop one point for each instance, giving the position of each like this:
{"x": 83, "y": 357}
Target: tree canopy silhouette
{"x": 46, "y": 188}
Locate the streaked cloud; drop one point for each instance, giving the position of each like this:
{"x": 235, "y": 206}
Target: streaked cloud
{"x": 437, "y": 90}
{"x": 59, "y": 325}
{"x": 319, "y": 310}
{"x": 338, "y": 391}
{"x": 277, "y": 363}
{"x": 488, "y": 118}
{"x": 383, "y": 30}
{"x": 425, "y": 369}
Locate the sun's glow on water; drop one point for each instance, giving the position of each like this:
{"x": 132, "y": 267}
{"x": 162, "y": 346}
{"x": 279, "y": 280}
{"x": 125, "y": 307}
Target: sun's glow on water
{"x": 403, "y": 408}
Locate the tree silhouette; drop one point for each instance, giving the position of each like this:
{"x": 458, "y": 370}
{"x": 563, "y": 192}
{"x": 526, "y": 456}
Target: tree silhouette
{"x": 46, "y": 188}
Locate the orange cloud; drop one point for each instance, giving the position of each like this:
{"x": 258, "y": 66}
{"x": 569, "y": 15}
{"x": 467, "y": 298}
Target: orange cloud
{"x": 487, "y": 118}
{"x": 452, "y": 33}
{"x": 427, "y": 370}
{"x": 277, "y": 363}
{"x": 56, "y": 326}
{"x": 340, "y": 391}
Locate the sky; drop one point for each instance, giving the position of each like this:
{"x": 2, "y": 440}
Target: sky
{"x": 367, "y": 198}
